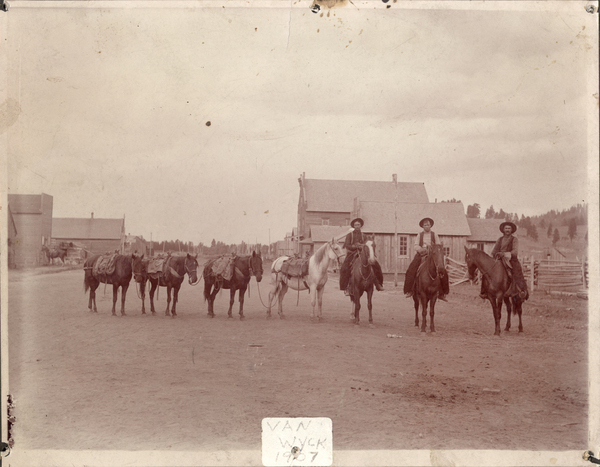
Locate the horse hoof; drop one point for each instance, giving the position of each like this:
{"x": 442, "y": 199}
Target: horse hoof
{"x": 356, "y": 323}
{"x": 242, "y": 318}
{"x": 229, "y": 316}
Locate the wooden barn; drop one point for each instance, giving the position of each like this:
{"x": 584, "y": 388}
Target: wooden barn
{"x": 32, "y": 217}
{"x": 396, "y": 226}
{"x": 331, "y": 202}
{"x": 135, "y": 243}
{"x": 92, "y": 234}
{"x": 484, "y": 233}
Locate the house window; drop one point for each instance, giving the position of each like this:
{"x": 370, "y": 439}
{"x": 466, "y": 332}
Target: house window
{"x": 324, "y": 221}
{"x": 446, "y": 251}
{"x": 480, "y": 246}
{"x": 402, "y": 246}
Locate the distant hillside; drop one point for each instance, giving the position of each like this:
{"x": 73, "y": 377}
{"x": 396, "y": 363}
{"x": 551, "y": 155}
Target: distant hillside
{"x": 572, "y": 250}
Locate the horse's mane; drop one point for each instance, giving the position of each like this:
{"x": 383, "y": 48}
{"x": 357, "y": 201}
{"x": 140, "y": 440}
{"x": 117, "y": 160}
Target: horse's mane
{"x": 320, "y": 253}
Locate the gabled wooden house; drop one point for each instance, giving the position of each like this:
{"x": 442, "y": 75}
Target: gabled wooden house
{"x": 396, "y": 227}
{"x": 331, "y": 202}
{"x": 484, "y": 233}
{"x": 93, "y": 234}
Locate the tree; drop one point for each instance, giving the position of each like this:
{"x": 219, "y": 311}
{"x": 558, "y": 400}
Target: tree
{"x": 555, "y": 237}
{"x": 549, "y": 232}
{"x": 473, "y": 211}
{"x": 543, "y": 223}
{"x": 572, "y": 233}
{"x": 490, "y": 213}
{"x": 532, "y": 232}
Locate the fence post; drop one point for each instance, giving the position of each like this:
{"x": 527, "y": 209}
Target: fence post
{"x": 532, "y": 272}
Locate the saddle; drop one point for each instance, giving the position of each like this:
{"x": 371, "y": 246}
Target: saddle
{"x": 105, "y": 264}
{"x": 295, "y": 267}
{"x": 514, "y": 288}
{"x": 222, "y": 267}
{"x": 156, "y": 265}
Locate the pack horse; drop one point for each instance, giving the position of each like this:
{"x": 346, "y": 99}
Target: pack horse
{"x": 112, "y": 269}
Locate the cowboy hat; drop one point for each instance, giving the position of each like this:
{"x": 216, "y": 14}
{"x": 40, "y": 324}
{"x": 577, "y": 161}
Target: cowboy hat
{"x": 512, "y": 226}
{"x": 358, "y": 219}
{"x": 426, "y": 219}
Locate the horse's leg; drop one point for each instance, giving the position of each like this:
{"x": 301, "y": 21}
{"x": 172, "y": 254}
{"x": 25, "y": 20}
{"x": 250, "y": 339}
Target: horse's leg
{"x": 312, "y": 290}
{"x": 123, "y": 296}
{"x": 432, "y": 313}
{"x": 518, "y": 307}
{"x": 423, "y": 312}
{"x": 231, "y": 301}
{"x": 153, "y": 287}
{"x": 175, "y": 297}
{"x": 143, "y": 294}
{"x": 168, "y": 300}
{"x": 211, "y": 300}
{"x": 115, "y": 294}
{"x": 241, "y": 295}
{"x": 320, "y": 302}
{"x": 282, "y": 293}
{"x": 416, "y": 300}
{"x": 497, "y": 309}
{"x": 507, "y": 300}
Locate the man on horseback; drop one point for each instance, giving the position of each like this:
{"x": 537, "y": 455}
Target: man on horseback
{"x": 355, "y": 240}
{"x": 426, "y": 238}
{"x": 507, "y": 249}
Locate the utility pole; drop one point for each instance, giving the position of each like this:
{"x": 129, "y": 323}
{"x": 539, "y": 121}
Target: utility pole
{"x": 395, "y": 249}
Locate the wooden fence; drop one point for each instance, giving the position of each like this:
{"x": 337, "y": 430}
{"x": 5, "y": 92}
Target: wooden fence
{"x": 547, "y": 275}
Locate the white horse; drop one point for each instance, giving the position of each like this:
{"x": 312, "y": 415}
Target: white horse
{"x": 316, "y": 279}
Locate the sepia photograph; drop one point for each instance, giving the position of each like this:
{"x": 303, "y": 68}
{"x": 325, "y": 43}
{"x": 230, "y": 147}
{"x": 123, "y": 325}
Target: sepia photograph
{"x": 299, "y": 233}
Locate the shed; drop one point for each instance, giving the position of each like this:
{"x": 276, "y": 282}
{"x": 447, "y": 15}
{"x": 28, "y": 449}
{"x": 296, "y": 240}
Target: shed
{"x": 94, "y": 234}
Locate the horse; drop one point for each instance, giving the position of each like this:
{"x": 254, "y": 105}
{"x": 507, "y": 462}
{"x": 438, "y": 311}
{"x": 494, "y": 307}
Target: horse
{"x": 120, "y": 277}
{"x": 55, "y": 253}
{"x": 174, "y": 270}
{"x": 362, "y": 279}
{"x": 315, "y": 280}
{"x": 428, "y": 285}
{"x": 243, "y": 268}
{"x": 497, "y": 285}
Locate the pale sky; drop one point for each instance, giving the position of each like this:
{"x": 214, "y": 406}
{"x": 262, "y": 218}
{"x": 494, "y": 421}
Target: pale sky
{"x": 487, "y": 106}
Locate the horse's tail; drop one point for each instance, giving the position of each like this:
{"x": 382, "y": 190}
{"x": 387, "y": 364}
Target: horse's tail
{"x": 86, "y": 286}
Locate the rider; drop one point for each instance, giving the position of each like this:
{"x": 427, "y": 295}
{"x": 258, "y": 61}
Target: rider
{"x": 354, "y": 240}
{"x": 507, "y": 248}
{"x": 426, "y": 237}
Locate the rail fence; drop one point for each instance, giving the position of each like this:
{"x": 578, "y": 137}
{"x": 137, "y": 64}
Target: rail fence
{"x": 552, "y": 276}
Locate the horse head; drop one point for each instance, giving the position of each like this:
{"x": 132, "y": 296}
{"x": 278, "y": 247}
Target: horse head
{"x": 139, "y": 268}
{"x": 191, "y": 267}
{"x": 368, "y": 251}
{"x": 436, "y": 252}
{"x": 337, "y": 250}
{"x": 256, "y": 266}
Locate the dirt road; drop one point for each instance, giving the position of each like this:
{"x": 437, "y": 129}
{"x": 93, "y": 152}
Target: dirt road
{"x": 93, "y": 381}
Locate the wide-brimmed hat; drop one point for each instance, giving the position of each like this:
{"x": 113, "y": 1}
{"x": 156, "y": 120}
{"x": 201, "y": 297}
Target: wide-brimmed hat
{"x": 358, "y": 219}
{"x": 512, "y": 225}
{"x": 426, "y": 219}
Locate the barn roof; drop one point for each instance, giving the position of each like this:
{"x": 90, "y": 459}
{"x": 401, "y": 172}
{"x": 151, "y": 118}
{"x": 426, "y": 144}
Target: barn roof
{"x": 449, "y": 218}
{"x": 91, "y": 228}
{"x": 484, "y": 230}
{"x": 338, "y": 195}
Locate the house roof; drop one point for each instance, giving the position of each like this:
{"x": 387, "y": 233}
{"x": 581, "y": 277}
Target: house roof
{"x": 92, "y": 228}
{"x": 449, "y": 218}
{"x": 25, "y": 204}
{"x": 338, "y": 195}
{"x": 324, "y": 233}
{"x": 484, "y": 230}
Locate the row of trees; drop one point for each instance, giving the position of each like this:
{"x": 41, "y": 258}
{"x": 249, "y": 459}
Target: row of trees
{"x": 576, "y": 215}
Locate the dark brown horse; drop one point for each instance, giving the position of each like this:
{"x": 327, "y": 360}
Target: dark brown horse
{"x": 428, "y": 285}
{"x": 174, "y": 270}
{"x": 362, "y": 279}
{"x": 60, "y": 253}
{"x": 243, "y": 268}
{"x": 497, "y": 286}
{"x": 120, "y": 277}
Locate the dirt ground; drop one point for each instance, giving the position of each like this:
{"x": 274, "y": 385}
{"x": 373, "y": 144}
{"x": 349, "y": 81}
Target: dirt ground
{"x": 93, "y": 381}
